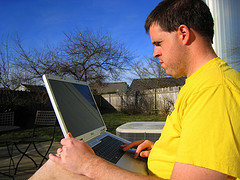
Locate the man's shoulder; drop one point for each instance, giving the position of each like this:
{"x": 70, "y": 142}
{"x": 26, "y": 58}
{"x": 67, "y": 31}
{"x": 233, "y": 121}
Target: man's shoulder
{"x": 229, "y": 76}
{"x": 213, "y": 74}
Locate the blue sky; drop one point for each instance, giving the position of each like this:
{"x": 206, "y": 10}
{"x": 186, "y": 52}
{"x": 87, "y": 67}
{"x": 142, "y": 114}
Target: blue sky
{"x": 40, "y": 22}
{"x": 45, "y": 21}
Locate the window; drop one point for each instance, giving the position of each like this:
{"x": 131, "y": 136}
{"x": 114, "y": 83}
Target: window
{"x": 227, "y": 30}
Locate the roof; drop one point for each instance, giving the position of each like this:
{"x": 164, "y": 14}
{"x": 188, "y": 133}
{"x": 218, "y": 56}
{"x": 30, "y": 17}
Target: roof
{"x": 151, "y": 83}
{"x": 30, "y": 88}
{"x": 109, "y": 88}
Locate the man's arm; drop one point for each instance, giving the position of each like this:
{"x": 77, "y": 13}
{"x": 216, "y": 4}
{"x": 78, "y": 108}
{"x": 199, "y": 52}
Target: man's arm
{"x": 78, "y": 157}
{"x": 183, "y": 171}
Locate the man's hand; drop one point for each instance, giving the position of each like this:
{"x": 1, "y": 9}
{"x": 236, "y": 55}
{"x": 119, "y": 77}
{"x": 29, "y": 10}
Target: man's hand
{"x": 143, "y": 147}
{"x": 75, "y": 155}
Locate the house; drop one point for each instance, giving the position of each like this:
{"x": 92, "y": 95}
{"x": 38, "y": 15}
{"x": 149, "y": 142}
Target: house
{"x": 113, "y": 93}
{"x": 30, "y": 88}
{"x": 155, "y": 94}
{"x": 151, "y": 95}
{"x": 152, "y": 83}
{"x": 109, "y": 88}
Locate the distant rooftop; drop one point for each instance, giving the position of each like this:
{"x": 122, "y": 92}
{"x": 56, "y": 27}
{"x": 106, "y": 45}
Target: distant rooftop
{"x": 144, "y": 84}
{"x": 109, "y": 88}
{"x": 30, "y": 88}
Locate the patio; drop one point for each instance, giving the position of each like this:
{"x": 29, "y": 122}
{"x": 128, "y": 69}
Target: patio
{"x": 26, "y": 168}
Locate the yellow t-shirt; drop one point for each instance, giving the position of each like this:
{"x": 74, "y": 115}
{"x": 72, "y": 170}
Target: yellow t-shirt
{"x": 204, "y": 128}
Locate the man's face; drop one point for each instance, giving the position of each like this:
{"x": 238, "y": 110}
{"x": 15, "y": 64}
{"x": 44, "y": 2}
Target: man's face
{"x": 168, "y": 48}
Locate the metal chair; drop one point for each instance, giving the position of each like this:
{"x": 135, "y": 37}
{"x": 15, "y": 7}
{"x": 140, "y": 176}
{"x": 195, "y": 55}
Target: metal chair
{"x": 7, "y": 119}
{"x": 43, "y": 119}
{"x": 7, "y": 125}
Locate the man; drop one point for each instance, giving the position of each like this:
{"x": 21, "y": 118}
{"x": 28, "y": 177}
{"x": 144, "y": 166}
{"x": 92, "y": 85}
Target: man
{"x": 201, "y": 138}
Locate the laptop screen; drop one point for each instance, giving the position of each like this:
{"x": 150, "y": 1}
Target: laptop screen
{"x": 77, "y": 106}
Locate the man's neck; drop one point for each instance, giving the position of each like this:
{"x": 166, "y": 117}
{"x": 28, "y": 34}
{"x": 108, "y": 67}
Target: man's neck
{"x": 199, "y": 56}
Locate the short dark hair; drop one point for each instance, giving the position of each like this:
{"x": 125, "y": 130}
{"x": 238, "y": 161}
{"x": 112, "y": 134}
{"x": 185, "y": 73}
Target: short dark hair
{"x": 170, "y": 14}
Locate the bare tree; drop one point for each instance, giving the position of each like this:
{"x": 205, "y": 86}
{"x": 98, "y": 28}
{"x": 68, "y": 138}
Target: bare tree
{"x": 6, "y": 62}
{"x": 84, "y": 55}
{"x": 36, "y": 62}
{"x": 168, "y": 104}
{"x": 93, "y": 56}
{"x": 150, "y": 68}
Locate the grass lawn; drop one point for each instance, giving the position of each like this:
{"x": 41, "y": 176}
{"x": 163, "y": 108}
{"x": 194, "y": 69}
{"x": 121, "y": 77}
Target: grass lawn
{"x": 112, "y": 121}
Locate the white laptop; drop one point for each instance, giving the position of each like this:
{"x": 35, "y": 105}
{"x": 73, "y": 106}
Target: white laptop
{"x": 77, "y": 112}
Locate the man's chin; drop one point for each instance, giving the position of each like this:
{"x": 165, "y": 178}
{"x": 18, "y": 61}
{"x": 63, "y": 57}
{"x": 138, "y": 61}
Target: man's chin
{"x": 169, "y": 73}
{"x": 176, "y": 76}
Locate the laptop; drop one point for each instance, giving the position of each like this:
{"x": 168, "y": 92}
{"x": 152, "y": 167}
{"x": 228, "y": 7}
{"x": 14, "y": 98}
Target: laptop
{"x": 77, "y": 112}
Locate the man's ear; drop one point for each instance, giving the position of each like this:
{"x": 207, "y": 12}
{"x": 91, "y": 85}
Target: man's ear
{"x": 184, "y": 34}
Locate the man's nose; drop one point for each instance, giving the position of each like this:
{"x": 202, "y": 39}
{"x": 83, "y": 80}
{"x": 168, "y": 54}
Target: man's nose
{"x": 156, "y": 53}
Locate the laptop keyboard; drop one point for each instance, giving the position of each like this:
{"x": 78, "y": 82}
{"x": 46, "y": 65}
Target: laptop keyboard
{"x": 109, "y": 149}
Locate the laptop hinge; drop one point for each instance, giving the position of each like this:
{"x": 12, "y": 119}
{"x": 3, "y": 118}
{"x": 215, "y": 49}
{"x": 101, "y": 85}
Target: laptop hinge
{"x": 102, "y": 131}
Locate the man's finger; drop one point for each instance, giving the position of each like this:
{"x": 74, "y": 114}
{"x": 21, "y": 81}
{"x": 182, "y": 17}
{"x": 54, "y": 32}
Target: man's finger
{"x": 54, "y": 158}
{"x": 59, "y": 150}
{"x": 145, "y": 153}
{"x": 142, "y": 154}
{"x": 143, "y": 146}
{"x": 68, "y": 141}
{"x": 69, "y": 135}
{"x": 132, "y": 145}
{"x": 64, "y": 141}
